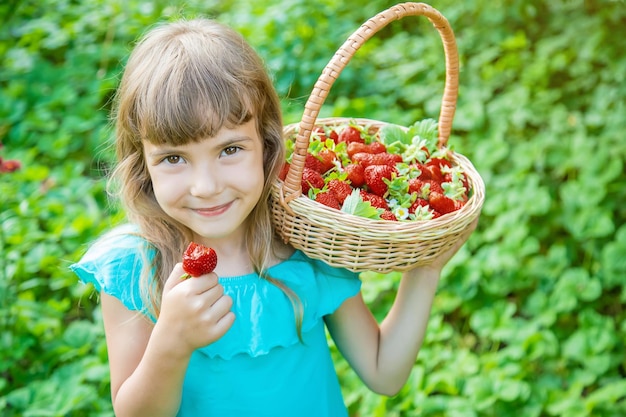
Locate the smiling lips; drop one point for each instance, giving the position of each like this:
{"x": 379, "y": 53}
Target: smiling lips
{"x": 213, "y": 211}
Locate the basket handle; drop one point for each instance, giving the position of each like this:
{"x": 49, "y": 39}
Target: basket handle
{"x": 292, "y": 187}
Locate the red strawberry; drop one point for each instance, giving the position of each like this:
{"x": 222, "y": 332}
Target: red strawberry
{"x": 383, "y": 158}
{"x": 198, "y": 260}
{"x": 374, "y": 200}
{"x": 327, "y": 158}
{"x": 388, "y": 215}
{"x": 334, "y": 136}
{"x": 355, "y": 174}
{"x": 319, "y": 133}
{"x": 283, "y": 171}
{"x": 328, "y": 199}
{"x": 321, "y": 162}
{"x": 350, "y": 134}
{"x": 9, "y": 165}
{"x": 363, "y": 158}
{"x": 358, "y": 147}
{"x": 416, "y": 185}
{"x": 425, "y": 173}
{"x": 435, "y": 186}
{"x": 311, "y": 162}
{"x": 311, "y": 179}
{"x": 432, "y": 169}
{"x": 377, "y": 147}
{"x": 419, "y": 202}
{"x": 438, "y": 162}
{"x": 340, "y": 189}
{"x": 442, "y": 203}
{"x": 374, "y": 175}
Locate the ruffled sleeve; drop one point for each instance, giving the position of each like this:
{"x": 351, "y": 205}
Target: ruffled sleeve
{"x": 264, "y": 314}
{"x": 114, "y": 265}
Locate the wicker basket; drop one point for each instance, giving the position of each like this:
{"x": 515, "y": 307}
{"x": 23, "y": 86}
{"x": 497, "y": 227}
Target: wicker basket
{"x": 353, "y": 242}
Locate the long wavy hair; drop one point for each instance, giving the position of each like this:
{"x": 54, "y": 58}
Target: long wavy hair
{"x": 183, "y": 82}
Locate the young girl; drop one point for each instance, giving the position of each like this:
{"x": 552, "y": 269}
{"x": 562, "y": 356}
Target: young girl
{"x": 199, "y": 144}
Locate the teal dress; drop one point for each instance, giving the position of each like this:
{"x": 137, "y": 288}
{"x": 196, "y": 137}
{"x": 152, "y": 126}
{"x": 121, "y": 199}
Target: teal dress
{"x": 259, "y": 367}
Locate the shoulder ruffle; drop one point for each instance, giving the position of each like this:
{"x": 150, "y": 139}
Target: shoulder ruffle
{"x": 114, "y": 263}
{"x": 264, "y": 315}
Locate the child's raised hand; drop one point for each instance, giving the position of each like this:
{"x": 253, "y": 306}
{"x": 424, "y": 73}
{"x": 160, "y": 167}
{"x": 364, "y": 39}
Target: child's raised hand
{"x": 195, "y": 311}
{"x": 440, "y": 261}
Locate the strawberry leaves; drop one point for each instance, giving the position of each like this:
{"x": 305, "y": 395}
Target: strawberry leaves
{"x": 355, "y": 205}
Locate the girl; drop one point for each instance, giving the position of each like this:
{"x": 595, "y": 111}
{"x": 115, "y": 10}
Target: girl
{"x": 199, "y": 144}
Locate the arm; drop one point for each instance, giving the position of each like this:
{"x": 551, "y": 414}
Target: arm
{"x": 148, "y": 361}
{"x": 383, "y": 355}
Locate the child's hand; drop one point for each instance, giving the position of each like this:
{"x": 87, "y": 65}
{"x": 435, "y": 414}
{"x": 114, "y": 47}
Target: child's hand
{"x": 196, "y": 312}
{"x": 437, "y": 264}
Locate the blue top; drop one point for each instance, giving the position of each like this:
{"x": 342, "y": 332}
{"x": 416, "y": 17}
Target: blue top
{"x": 259, "y": 367}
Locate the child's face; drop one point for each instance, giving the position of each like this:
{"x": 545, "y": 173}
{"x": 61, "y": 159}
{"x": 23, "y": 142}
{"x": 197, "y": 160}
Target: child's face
{"x": 210, "y": 186}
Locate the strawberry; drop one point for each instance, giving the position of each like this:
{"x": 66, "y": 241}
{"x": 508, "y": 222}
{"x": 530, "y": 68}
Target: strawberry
{"x": 355, "y": 174}
{"x": 319, "y": 133}
{"x": 340, "y": 189}
{"x": 416, "y": 185}
{"x": 377, "y": 147}
{"x": 419, "y": 202}
{"x": 435, "y": 186}
{"x": 374, "y": 175}
{"x": 434, "y": 168}
{"x": 425, "y": 173}
{"x": 321, "y": 162}
{"x": 311, "y": 162}
{"x": 9, "y": 165}
{"x": 385, "y": 158}
{"x": 375, "y": 200}
{"x": 328, "y": 199}
{"x": 198, "y": 260}
{"x": 334, "y": 136}
{"x": 382, "y": 158}
{"x": 327, "y": 159}
{"x": 439, "y": 162}
{"x": 358, "y": 147}
{"x": 350, "y": 134}
{"x": 442, "y": 204}
{"x": 388, "y": 215}
{"x": 363, "y": 158}
{"x": 311, "y": 179}
{"x": 283, "y": 171}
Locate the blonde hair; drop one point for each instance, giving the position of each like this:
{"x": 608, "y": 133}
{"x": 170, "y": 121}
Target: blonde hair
{"x": 183, "y": 82}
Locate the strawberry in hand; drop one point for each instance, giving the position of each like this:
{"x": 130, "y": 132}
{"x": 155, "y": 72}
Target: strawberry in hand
{"x": 198, "y": 260}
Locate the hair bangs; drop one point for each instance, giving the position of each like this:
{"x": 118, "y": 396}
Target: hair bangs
{"x": 188, "y": 101}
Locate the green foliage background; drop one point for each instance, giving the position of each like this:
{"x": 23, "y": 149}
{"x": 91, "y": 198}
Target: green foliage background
{"x": 529, "y": 319}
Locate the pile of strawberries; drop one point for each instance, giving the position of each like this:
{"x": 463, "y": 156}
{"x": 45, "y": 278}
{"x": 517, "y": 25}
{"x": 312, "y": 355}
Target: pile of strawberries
{"x": 395, "y": 173}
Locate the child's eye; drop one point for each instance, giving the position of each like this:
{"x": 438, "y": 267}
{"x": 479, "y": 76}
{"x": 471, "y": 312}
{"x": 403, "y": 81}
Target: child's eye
{"x": 231, "y": 150}
{"x": 173, "y": 159}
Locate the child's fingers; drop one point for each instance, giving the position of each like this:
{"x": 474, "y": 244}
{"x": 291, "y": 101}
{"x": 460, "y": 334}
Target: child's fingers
{"x": 174, "y": 278}
{"x": 223, "y": 316}
{"x": 202, "y": 283}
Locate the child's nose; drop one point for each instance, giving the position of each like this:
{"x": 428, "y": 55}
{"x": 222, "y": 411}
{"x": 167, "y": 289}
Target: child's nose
{"x": 205, "y": 183}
